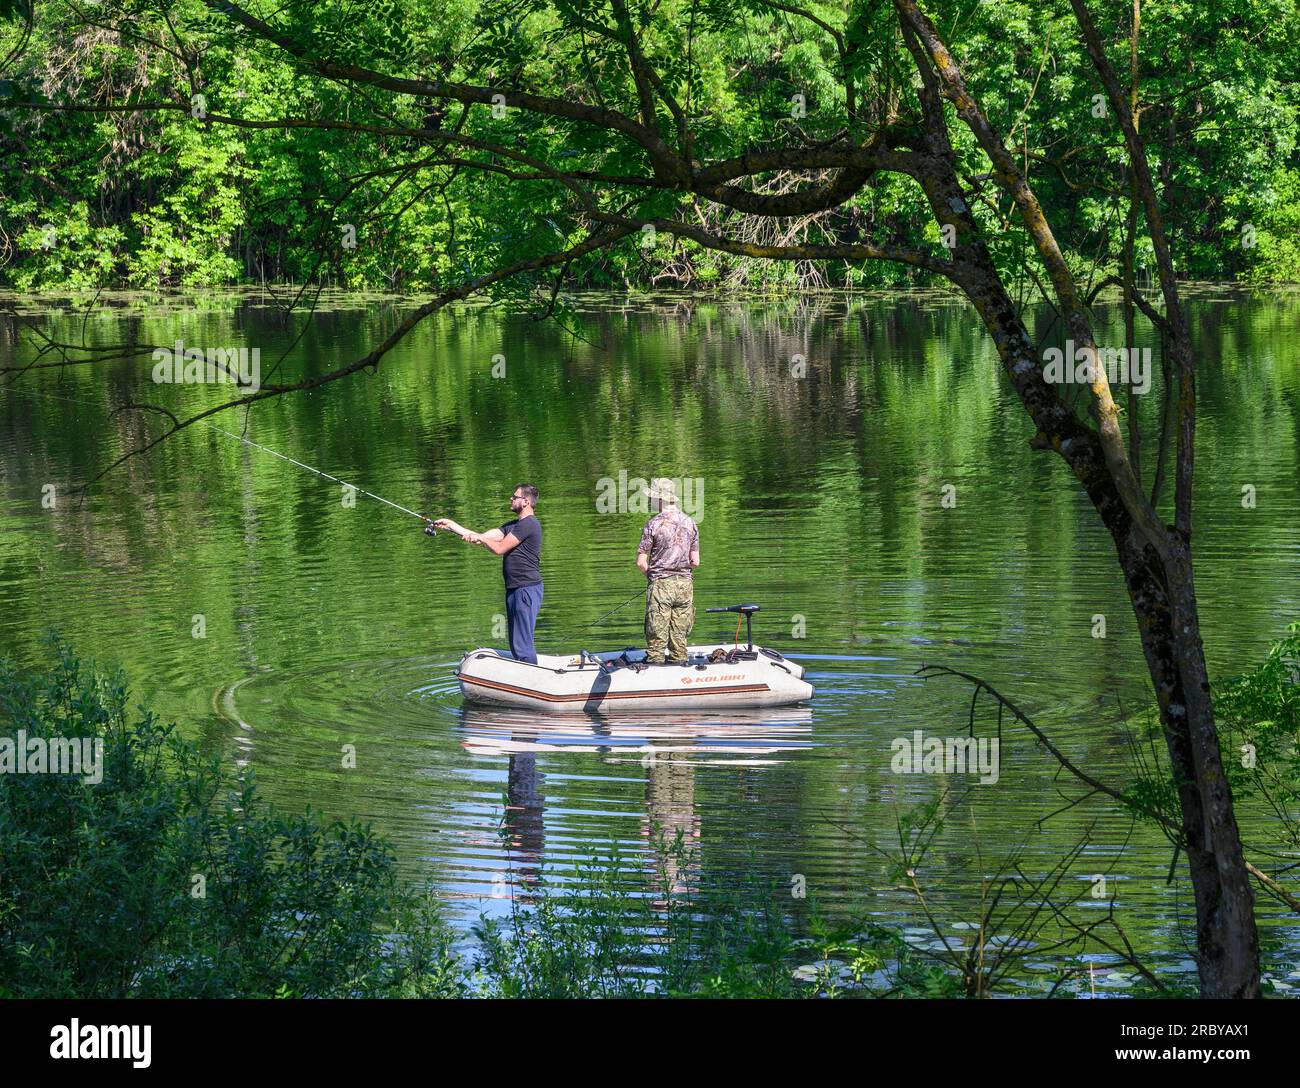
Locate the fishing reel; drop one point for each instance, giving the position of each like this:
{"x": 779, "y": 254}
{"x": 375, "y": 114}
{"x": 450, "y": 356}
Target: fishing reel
{"x": 429, "y": 530}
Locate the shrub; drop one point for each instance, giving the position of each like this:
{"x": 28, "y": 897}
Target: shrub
{"x": 166, "y": 879}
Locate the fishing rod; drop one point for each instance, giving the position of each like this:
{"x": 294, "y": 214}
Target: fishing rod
{"x": 596, "y": 623}
{"x": 428, "y": 528}
{"x": 360, "y": 490}
{"x": 583, "y": 655}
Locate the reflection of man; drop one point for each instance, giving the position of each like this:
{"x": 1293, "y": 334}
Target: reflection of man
{"x": 520, "y": 543}
{"x": 671, "y": 811}
{"x": 670, "y": 549}
{"x": 526, "y": 819}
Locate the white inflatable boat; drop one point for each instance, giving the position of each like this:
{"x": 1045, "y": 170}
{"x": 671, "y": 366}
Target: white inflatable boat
{"x": 714, "y": 676}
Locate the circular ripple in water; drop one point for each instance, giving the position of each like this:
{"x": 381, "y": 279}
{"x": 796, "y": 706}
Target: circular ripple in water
{"x": 391, "y": 741}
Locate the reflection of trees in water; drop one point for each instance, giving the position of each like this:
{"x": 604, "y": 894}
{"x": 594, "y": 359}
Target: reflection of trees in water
{"x": 525, "y": 822}
{"x": 670, "y": 810}
{"x": 711, "y": 380}
{"x": 727, "y": 369}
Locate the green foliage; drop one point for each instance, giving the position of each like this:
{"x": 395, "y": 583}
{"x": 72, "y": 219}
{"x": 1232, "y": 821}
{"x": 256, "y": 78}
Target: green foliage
{"x": 1258, "y": 719}
{"x": 163, "y": 198}
{"x": 65, "y": 249}
{"x": 1259, "y": 725}
{"x": 1276, "y": 255}
{"x": 100, "y": 890}
{"x": 185, "y": 236}
{"x": 566, "y": 945}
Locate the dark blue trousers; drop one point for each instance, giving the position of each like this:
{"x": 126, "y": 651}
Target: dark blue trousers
{"x": 522, "y": 605}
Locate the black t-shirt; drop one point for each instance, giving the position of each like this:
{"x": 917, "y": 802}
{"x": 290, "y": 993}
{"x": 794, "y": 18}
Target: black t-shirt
{"x": 522, "y": 564}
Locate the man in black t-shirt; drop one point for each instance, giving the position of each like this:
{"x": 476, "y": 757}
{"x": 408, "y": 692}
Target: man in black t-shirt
{"x": 519, "y": 543}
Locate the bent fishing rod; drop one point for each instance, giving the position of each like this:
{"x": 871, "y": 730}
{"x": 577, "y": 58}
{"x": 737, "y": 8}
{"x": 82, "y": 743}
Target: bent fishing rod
{"x": 428, "y": 522}
{"x": 428, "y": 528}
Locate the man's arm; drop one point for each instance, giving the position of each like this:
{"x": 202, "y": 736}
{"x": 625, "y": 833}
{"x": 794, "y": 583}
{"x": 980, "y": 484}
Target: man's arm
{"x": 494, "y": 542}
{"x": 450, "y": 526}
{"x": 695, "y": 557}
{"x": 643, "y": 549}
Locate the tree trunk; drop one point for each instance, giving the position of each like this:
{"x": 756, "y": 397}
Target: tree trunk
{"x": 1163, "y": 597}
{"x": 1156, "y": 559}
{"x": 1164, "y": 601}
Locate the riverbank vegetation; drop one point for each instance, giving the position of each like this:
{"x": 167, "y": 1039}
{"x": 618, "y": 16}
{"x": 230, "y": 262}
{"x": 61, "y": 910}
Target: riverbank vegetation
{"x": 172, "y": 878}
{"x": 197, "y": 185}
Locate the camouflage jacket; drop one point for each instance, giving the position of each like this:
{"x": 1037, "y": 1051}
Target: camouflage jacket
{"x": 668, "y": 539}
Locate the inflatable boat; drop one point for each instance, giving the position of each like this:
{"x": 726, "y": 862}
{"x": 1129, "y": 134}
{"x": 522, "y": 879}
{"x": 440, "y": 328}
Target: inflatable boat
{"x": 714, "y": 676}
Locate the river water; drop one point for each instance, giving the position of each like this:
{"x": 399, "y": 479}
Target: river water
{"x": 860, "y": 469}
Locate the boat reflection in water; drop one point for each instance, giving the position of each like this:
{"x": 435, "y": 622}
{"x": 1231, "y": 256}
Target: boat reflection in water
{"x": 668, "y": 747}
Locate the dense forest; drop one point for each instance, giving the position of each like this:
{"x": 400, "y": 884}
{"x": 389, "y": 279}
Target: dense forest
{"x": 145, "y": 146}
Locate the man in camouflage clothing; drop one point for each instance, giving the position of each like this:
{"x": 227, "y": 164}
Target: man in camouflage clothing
{"x": 669, "y": 551}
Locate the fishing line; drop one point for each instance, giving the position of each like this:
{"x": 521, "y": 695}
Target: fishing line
{"x": 318, "y": 472}
{"x": 248, "y": 442}
{"x": 594, "y": 623}
{"x": 569, "y": 631}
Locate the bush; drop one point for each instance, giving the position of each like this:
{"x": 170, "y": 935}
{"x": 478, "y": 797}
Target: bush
{"x": 166, "y": 879}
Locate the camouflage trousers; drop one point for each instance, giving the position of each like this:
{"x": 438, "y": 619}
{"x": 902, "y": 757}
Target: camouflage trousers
{"x": 669, "y": 617}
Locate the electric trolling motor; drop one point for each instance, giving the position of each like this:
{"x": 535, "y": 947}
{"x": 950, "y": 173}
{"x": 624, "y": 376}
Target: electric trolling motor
{"x": 746, "y": 610}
